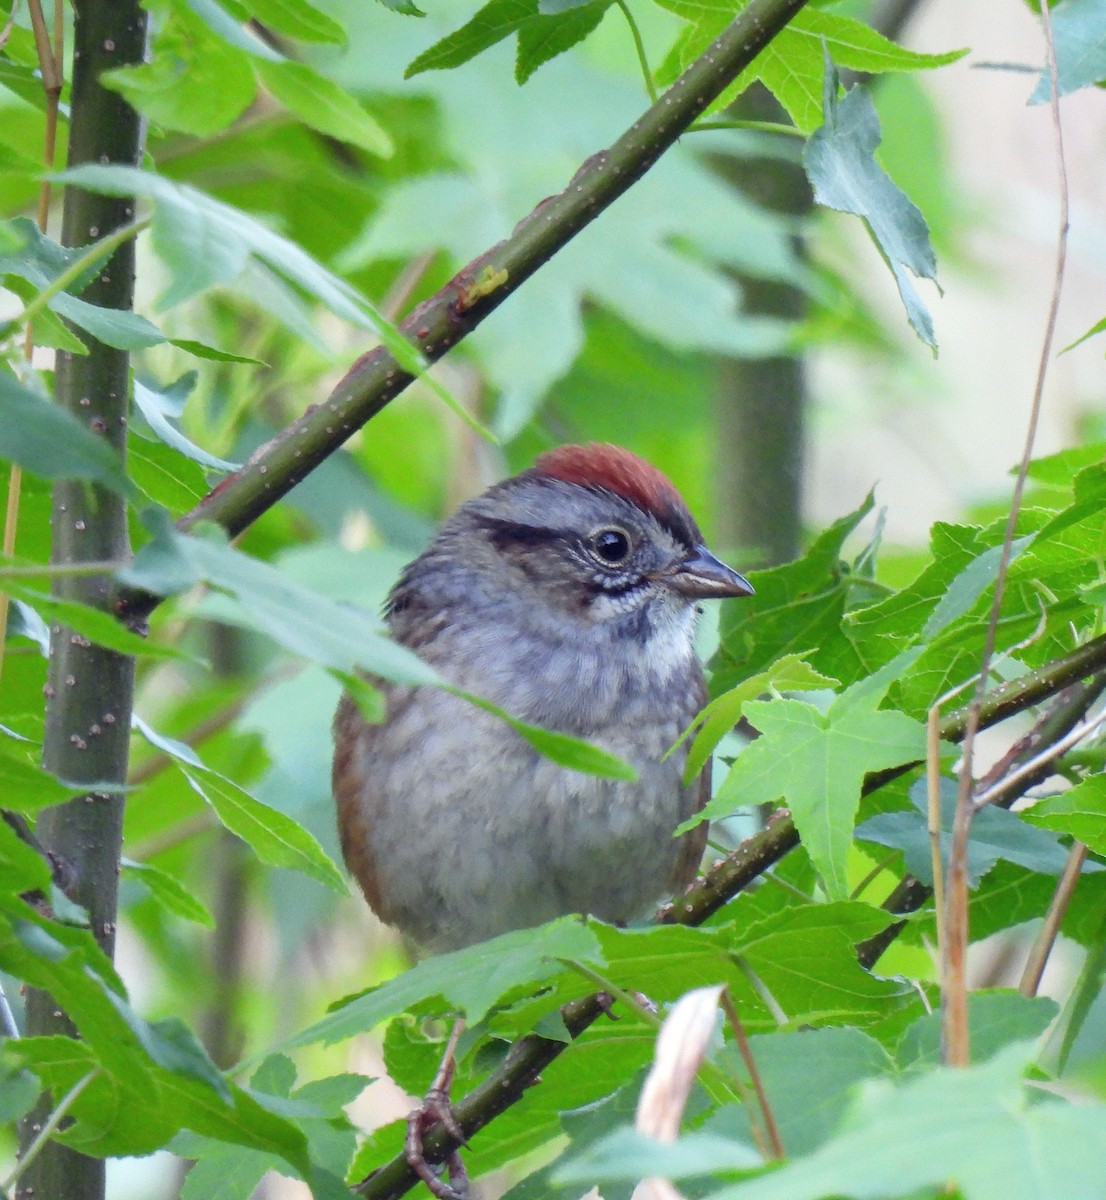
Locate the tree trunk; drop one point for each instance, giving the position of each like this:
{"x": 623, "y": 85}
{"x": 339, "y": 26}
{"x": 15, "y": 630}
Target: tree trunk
{"x": 90, "y": 689}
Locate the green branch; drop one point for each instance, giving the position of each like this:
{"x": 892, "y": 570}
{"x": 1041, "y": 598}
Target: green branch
{"x": 90, "y": 687}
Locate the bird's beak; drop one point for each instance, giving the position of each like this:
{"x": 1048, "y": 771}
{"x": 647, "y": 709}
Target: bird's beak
{"x": 701, "y": 576}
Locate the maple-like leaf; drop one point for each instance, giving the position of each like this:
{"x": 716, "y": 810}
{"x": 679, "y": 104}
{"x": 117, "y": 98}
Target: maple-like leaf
{"x": 815, "y": 763}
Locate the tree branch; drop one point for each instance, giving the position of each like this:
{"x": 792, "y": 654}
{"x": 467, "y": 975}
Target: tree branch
{"x": 447, "y": 317}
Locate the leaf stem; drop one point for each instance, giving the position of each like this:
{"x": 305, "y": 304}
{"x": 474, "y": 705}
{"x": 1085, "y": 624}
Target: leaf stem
{"x": 48, "y": 1127}
{"x": 639, "y": 46}
{"x": 1046, "y": 937}
{"x": 758, "y": 127}
{"x": 95, "y": 253}
{"x": 768, "y": 1116}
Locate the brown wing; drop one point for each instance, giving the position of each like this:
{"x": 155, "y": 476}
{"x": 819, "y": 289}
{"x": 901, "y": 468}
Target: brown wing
{"x": 694, "y": 842}
{"x": 353, "y": 736}
{"x": 695, "y": 797}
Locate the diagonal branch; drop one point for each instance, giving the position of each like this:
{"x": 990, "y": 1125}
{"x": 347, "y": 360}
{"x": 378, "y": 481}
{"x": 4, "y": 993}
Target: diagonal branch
{"x": 447, "y": 317}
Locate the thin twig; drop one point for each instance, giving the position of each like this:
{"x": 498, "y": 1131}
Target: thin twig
{"x": 769, "y": 1117}
{"x": 954, "y": 984}
{"x": 50, "y": 71}
{"x": 607, "y": 985}
{"x": 1046, "y": 756}
{"x": 868, "y": 879}
{"x": 639, "y": 47}
{"x": 933, "y": 793}
{"x": 8, "y": 1026}
{"x": 1046, "y": 937}
{"x": 48, "y": 1127}
{"x": 404, "y": 284}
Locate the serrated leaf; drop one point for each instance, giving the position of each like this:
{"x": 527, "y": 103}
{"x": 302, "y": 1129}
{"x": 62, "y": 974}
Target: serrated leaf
{"x": 996, "y": 1019}
{"x": 1079, "y": 42}
{"x": 274, "y": 836}
{"x": 791, "y": 65}
{"x": 797, "y": 609}
{"x": 982, "y": 1133}
{"x": 48, "y": 441}
{"x": 788, "y": 674}
{"x": 323, "y": 105}
{"x": 213, "y": 353}
{"x": 815, "y": 763}
{"x": 1079, "y": 811}
{"x": 840, "y": 161}
{"x": 468, "y": 980}
{"x": 116, "y": 327}
{"x": 551, "y": 33}
{"x": 996, "y": 834}
{"x": 495, "y": 21}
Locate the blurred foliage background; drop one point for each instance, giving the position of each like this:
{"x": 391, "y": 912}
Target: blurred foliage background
{"x": 714, "y": 320}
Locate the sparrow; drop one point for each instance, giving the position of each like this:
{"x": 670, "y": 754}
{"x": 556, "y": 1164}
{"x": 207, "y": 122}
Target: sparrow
{"x": 566, "y": 594}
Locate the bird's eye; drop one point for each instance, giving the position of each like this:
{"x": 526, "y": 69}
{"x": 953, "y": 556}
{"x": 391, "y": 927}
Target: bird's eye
{"x": 611, "y": 545}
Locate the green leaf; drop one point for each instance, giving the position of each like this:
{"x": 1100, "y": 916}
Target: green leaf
{"x": 213, "y": 353}
{"x": 495, "y": 21}
{"x": 298, "y": 19}
{"x": 548, "y": 34}
{"x": 996, "y": 1019}
{"x": 815, "y": 763}
{"x": 27, "y": 787}
{"x": 1080, "y": 811}
{"x": 48, "y": 441}
{"x": 1096, "y": 328}
{"x": 805, "y": 956}
{"x": 211, "y": 242}
{"x": 797, "y": 609}
{"x": 163, "y": 476}
{"x": 840, "y": 160}
{"x": 162, "y": 407}
{"x": 169, "y": 892}
{"x": 274, "y": 837}
{"x": 628, "y": 1155}
{"x": 234, "y": 31}
{"x": 809, "y": 1077}
{"x": 21, "y": 868}
{"x": 469, "y": 980}
{"x": 91, "y": 623}
{"x": 789, "y": 674}
{"x": 562, "y": 748}
{"x": 116, "y": 327}
{"x": 194, "y": 81}
{"x": 323, "y": 105}
{"x": 1079, "y": 40}
{"x": 981, "y": 1133}
{"x": 301, "y": 620}
{"x": 791, "y": 65}
{"x": 996, "y": 834}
